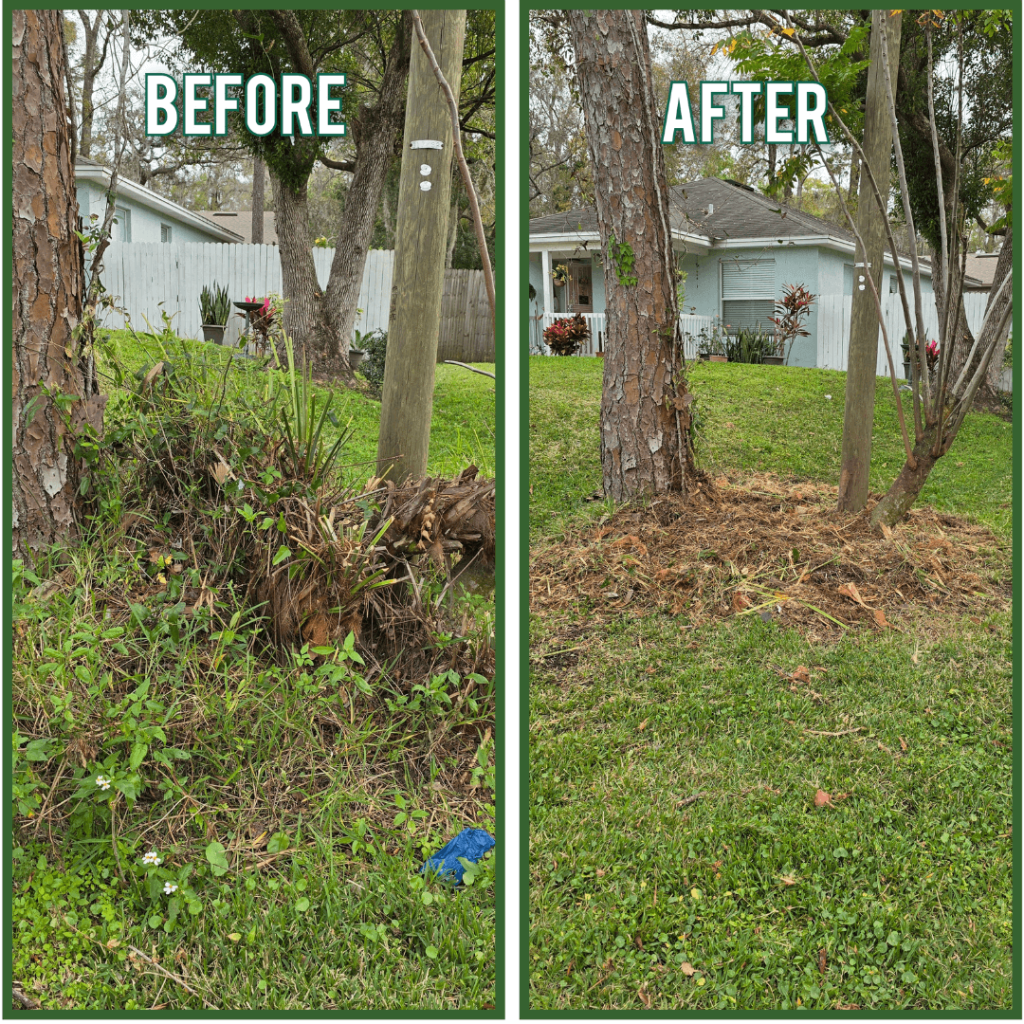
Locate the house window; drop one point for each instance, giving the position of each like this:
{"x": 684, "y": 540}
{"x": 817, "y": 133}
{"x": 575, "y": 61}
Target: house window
{"x": 123, "y": 230}
{"x": 748, "y": 293}
{"x": 165, "y": 232}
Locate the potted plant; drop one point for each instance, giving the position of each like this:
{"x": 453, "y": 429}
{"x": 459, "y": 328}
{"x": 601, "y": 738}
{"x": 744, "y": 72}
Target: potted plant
{"x": 214, "y": 306}
{"x": 560, "y": 275}
{"x": 567, "y": 335}
{"x": 789, "y": 318}
{"x": 711, "y": 345}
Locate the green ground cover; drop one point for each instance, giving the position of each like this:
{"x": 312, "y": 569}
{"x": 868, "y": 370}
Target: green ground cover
{"x": 678, "y": 858}
{"x": 290, "y": 795}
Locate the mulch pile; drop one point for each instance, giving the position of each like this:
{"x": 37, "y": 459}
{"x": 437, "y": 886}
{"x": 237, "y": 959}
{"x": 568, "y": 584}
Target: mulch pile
{"x": 776, "y": 549}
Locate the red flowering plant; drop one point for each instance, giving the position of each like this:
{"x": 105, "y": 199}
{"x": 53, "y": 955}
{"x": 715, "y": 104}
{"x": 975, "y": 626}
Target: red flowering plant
{"x": 789, "y": 318}
{"x": 264, "y": 320}
{"x": 566, "y": 336}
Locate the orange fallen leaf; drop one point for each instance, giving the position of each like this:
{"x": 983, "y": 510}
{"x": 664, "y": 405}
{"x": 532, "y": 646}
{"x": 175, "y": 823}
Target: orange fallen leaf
{"x": 903, "y": 743}
{"x": 881, "y": 620}
{"x": 643, "y": 724}
{"x": 787, "y": 879}
{"x": 886, "y": 532}
{"x": 740, "y": 601}
{"x": 645, "y": 996}
{"x": 801, "y": 674}
{"x": 822, "y": 799}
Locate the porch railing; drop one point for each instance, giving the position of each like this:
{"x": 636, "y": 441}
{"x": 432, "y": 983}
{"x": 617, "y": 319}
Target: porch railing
{"x": 691, "y": 327}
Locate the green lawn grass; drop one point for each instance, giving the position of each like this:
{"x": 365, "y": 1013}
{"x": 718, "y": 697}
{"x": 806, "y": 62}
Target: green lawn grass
{"x": 291, "y": 798}
{"x": 766, "y": 418}
{"x": 677, "y": 858}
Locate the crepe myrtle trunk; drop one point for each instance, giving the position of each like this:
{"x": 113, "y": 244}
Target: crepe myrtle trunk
{"x": 645, "y": 405}
{"x": 53, "y": 390}
{"x": 906, "y": 488}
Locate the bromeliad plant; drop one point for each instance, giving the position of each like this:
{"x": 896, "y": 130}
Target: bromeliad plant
{"x": 566, "y": 336}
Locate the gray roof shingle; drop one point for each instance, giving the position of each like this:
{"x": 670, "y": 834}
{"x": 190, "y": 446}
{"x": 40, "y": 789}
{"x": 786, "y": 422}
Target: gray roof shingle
{"x": 738, "y": 212}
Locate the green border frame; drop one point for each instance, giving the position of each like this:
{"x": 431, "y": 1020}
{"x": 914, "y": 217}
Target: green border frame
{"x": 501, "y": 645}
{"x": 1015, "y": 1013}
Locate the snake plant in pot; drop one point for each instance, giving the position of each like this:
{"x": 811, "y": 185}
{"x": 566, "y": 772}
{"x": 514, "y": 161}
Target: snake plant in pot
{"x": 214, "y": 306}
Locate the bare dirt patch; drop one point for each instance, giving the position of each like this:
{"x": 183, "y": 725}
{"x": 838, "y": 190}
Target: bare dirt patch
{"x": 776, "y": 549}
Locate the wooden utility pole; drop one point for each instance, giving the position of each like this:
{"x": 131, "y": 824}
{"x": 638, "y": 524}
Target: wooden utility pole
{"x": 859, "y": 413}
{"x": 424, "y": 194}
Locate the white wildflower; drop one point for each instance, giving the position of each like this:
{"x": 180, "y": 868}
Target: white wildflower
{"x": 152, "y": 859}
{"x": 169, "y": 888}
{"x": 103, "y": 782}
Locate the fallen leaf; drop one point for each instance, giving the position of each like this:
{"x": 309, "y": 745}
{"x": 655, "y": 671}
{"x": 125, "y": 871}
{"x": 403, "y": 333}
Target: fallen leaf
{"x": 881, "y": 620}
{"x": 886, "y": 532}
{"x": 643, "y": 724}
{"x": 601, "y": 872}
{"x": 787, "y": 879}
{"x": 850, "y": 590}
{"x": 822, "y": 961}
{"x": 740, "y": 601}
{"x": 903, "y": 743}
{"x": 822, "y": 799}
{"x": 687, "y": 968}
{"x": 234, "y": 936}
{"x": 645, "y": 996}
{"x": 800, "y": 674}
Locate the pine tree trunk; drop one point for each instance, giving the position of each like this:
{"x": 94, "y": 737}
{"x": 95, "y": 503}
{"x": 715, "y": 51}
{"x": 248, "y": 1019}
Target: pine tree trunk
{"x": 645, "y": 406}
{"x": 48, "y": 293}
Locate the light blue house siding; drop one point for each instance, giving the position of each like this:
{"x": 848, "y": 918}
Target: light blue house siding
{"x": 142, "y": 215}
{"x": 821, "y": 270}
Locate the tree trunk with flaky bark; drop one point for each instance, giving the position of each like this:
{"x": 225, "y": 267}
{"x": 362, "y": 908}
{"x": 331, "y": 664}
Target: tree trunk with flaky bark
{"x": 645, "y": 404}
{"x": 48, "y": 294}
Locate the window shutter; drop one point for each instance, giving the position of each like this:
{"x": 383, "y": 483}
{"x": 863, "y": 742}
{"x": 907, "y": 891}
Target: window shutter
{"x": 748, "y": 293}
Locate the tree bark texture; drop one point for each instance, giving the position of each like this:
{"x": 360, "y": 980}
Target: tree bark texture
{"x": 259, "y": 177}
{"x": 48, "y": 293}
{"x": 645, "y": 406}
{"x": 376, "y": 131}
{"x": 859, "y": 413}
{"x": 905, "y": 489}
{"x": 407, "y": 398}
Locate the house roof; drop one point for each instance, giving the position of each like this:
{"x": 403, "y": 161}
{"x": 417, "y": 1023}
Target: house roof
{"x": 718, "y": 213}
{"x": 89, "y": 170}
{"x": 240, "y": 221}
{"x": 715, "y": 208}
{"x": 981, "y": 266}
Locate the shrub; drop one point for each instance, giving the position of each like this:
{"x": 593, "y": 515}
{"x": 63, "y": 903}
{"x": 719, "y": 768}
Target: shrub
{"x": 566, "y": 336}
{"x": 375, "y": 345}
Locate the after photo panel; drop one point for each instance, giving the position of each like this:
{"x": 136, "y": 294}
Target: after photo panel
{"x": 771, "y": 511}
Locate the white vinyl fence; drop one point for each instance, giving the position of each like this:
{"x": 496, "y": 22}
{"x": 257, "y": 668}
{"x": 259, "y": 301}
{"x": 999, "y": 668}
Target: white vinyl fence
{"x": 834, "y": 327}
{"x": 142, "y": 275}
